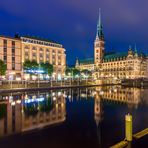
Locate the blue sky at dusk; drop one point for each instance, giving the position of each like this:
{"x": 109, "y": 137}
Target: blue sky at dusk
{"x": 73, "y": 23}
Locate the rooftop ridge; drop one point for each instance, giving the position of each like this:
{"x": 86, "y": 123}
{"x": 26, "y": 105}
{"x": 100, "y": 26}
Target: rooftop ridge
{"x": 40, "y": 38}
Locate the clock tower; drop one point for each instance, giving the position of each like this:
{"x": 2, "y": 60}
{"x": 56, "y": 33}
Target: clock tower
{"x": 99, "y": 42}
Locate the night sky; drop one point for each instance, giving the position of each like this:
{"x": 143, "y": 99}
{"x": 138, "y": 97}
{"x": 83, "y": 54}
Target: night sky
{"x": 73, "y": 23}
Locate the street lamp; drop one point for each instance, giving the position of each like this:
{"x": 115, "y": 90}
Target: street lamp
{"x": 38, "y": 76}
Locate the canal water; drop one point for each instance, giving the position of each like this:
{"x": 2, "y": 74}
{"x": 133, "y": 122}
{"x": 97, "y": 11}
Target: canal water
{"x": 72, "y": 118}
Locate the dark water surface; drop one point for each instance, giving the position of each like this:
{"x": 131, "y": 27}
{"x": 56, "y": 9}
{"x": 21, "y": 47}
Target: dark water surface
{"x": 72, "y": 118}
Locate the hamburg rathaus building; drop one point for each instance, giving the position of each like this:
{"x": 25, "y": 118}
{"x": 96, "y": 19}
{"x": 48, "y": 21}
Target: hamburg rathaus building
{"x": 114, "y": 66}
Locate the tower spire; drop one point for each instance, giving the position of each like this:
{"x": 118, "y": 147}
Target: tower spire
{"x": 99, "y": 16}
{"x": 99, "y": 42}
{"x": 100, "y": 34}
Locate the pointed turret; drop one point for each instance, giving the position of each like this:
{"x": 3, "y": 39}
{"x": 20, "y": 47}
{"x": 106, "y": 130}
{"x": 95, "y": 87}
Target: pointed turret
{"x": 130, "y": 52}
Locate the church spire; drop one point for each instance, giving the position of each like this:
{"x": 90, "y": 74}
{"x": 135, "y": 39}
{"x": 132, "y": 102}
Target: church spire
{"x": 100, "y": 34}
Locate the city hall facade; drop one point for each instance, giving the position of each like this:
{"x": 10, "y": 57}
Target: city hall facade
{"x": 126, "y": 65}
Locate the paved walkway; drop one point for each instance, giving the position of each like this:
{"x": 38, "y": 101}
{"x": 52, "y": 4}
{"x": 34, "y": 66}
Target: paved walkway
{"x": 45, "y": 88}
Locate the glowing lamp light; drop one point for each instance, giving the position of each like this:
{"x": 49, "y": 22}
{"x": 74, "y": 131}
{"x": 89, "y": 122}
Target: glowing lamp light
{"x": 65, "y": 95}
{"x": 69, "y": 96}
{"x": 13, "y": 103}
{"x": 53, "y": 94}
{"x": 59, "y": 93}
{"x": 54, "y": 98}
{"x": 101, "y": 92}
{"x": 115, "y": 90}
{"x": 27, "y": 101}
{"x": 18, "y": 101}
{"x": 18, "y": 79}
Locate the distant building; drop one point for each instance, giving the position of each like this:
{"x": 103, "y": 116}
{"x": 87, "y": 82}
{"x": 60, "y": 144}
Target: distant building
{"x": 15, "y": 51}
{"x": 85, "y": 64}
{"x": 113, "y": 65}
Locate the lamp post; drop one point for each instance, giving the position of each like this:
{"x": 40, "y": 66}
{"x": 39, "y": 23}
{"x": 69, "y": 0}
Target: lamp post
{"x": 71, "y": 77}
{"x": 86, "y": 78}
{"x": 11, "y": 83}
{"x": 39, "y": 77}
{"x": 61, "y": 79}
{"x": 69, "y": 74}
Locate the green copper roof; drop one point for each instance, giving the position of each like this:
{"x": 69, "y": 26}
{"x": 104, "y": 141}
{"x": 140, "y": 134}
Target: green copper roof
{"x": 107, "y": 57}
{"x": 115, "y": 56}
{"x": 87, "y": 61}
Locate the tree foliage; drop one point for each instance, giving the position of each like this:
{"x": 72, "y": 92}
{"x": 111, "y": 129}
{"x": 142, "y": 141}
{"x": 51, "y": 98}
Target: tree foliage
{"x": 76, "y": 72}
{"x": 68, "y": 71}
{"x": 72, "y": 71}
{"x": 33, "y": 65}
{"x": 3, "y": 110}
{"x": 30, "y": 65}
{"x": 3, "y": 68}
{"x": 86, "y": 72}
{"x": 47, "y": 67}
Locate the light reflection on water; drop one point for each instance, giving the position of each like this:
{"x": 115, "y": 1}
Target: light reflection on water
{"x": 107, "y": 106}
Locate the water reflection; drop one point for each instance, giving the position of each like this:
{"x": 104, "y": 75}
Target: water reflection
{"x": 21, "y": 113}
{"x": 98, "y": 115}
{"x": 28, "y": 111}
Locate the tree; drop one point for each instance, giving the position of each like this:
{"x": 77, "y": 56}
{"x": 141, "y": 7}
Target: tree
{"x": 68, "y": 71}
{"x": 3, "y": 68}
{"x": 86, "y": 72}
{"x": 34, "y": 65}
{"x": 27, "y": 65}
{"x": 76, "y": 72}
{"x": 47, "y": 67}
{"x": 72, "y": 71}
{"x": 30, "y": 65}
{"x": 3, "y": 110}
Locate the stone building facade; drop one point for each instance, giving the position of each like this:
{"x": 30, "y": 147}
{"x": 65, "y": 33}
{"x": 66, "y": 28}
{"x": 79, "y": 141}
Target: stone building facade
{"x": 126, "y": 65}
{"x": 10, "y": 53}
{"x": 14, "y": 51}
{"x": 42, "y": 50}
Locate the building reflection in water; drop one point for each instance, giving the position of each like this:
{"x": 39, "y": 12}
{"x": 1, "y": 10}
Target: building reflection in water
{"x": 131, "y": 96}
{"x": 98, "y": 113}
{"x": 29, "y": 112}
{"x": 20, "y": 113}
